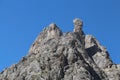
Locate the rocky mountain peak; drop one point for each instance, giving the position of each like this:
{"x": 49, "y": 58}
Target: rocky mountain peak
{"x": 55, "y": 55}
{"x": 53, "y": 31}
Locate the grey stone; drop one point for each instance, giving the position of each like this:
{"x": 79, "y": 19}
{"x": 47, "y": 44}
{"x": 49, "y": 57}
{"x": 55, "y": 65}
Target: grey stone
{"x": 64, "y": 56}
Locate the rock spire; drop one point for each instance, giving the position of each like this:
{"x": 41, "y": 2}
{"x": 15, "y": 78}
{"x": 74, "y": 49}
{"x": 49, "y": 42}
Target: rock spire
{"x": 55, "y": 55}
{"x": 78, "y": 25}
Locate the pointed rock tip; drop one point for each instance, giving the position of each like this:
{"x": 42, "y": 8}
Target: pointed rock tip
{"x": 53, "y": 25}
{"x": 53, "y": 31}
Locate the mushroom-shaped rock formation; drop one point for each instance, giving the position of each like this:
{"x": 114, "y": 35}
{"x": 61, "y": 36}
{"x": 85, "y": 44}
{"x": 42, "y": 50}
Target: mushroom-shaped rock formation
{"x": 78, "y": 25}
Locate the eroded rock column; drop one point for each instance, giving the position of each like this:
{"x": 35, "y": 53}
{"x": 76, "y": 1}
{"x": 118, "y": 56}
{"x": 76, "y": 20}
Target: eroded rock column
{"x": 78, "y": 25}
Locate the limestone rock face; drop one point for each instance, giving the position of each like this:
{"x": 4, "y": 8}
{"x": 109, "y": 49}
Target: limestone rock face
{"x": 64, "y": 56}
{"x": 98, "y": 53}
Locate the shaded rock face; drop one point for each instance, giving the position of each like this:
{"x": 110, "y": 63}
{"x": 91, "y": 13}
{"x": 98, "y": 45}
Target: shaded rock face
{"x": 64, "y": 56}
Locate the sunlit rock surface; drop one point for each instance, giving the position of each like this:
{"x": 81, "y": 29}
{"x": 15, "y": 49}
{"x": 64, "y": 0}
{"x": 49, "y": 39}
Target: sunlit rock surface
{"x": 55, "y": 55}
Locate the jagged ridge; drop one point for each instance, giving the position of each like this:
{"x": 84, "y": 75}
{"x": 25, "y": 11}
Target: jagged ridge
{"x": 64, "y": 56}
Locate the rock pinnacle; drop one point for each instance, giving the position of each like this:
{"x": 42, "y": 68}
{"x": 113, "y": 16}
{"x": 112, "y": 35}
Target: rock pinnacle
{"x": 78, "y": 24}
{"x": 55, "y": 55}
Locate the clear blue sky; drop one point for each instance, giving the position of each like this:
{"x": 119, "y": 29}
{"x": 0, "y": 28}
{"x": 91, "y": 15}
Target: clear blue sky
{"x": 22, "y": 20}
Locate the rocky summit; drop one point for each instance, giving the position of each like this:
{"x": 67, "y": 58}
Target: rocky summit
{"x": 55, "y": 55}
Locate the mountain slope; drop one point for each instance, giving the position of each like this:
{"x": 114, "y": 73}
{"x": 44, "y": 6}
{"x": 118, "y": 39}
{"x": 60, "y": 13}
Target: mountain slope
{"x": 64, "y": 56}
